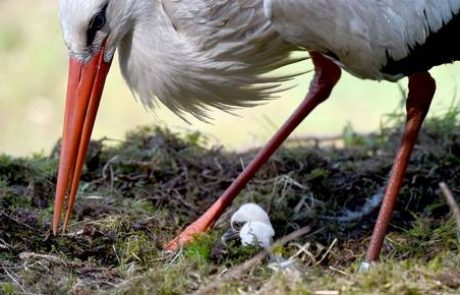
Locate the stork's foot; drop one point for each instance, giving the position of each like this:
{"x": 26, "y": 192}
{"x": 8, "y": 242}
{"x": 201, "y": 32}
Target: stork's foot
{"x": 200, "y": 226}
{"x": 186, "y": 236}
{"x": 364, "y": 266}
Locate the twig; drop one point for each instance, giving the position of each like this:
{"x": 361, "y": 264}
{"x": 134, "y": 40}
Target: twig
{"x": 116, "y": 254}
{"x": 303, "y": 249}
{"x": 47, "y": 257}
{"x": 4, "y": 245}
{"x": 237, "y": 271}
{"x": 17, "y": 221}
{"x": 451, "y": 202}
{"x": 15, "y": 281}
{"x": 326, "y": 292}
{"x": 327, "y": 252}
{"x": 342, "y": 272}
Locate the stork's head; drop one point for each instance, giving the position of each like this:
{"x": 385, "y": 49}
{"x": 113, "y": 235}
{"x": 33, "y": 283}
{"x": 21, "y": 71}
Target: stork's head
{"x": 249, "y": 212}
{"x": 252, "y": 225}
{"x": 91, "y": 25}
{"x": 92, "y": 29}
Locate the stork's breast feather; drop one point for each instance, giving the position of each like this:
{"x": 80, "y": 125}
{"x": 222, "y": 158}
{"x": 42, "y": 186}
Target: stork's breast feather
{"x": 190, "y": 64}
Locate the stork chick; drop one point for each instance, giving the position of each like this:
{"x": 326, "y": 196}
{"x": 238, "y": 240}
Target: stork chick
{"x": 252, "y": 225}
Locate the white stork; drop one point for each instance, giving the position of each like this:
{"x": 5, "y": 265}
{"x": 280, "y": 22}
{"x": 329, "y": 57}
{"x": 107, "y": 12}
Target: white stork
{"x": 196, "y": 54}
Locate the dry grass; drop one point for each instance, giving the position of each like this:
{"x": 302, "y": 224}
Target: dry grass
{"x": 136, "y": 196}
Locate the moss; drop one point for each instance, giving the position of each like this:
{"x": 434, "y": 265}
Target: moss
{"x": 8, "y": 288}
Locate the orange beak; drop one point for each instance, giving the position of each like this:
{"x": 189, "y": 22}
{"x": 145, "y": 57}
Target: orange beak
{"x": 84, "y": 91}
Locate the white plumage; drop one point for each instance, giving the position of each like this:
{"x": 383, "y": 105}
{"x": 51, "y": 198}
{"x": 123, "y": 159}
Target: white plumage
{"x": 252, "y": 225}
{"x": 250, "y": 212}
{"x": 257, "y": 233}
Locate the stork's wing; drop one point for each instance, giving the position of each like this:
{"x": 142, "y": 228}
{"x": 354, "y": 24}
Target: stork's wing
{"x": 362, "y": 34}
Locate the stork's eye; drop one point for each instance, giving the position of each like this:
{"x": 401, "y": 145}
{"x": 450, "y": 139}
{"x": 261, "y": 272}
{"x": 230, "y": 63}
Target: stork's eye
{"x": 96, "y": 24}
{"x": 237, "y": 225}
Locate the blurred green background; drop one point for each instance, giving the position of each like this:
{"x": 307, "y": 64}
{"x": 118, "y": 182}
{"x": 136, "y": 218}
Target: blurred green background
{"x": 33, "y": 73}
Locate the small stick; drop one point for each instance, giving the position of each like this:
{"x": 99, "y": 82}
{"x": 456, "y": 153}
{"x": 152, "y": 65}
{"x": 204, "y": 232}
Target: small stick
{"x": 15, "y": 281}
{"x": 237, "y": 271}
{"x": 17, "y": 221}
{"x": 47, "y": 257}
{"x": 451, "y": 202}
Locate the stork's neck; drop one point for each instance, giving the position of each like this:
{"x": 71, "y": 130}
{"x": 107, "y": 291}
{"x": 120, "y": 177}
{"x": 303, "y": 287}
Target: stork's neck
{"x": 151, "y": 52}
{"x": 189, "y": 61}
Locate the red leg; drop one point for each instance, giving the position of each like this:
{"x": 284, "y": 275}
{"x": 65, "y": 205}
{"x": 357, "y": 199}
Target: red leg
{"x": 421, "y": 90}
{"x": 326, "y": 76}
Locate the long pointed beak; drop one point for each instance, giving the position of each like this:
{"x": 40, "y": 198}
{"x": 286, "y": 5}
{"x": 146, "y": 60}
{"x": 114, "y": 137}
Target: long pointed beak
{"x": 84, "y": 91}
{"x": 230, "y": 234}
